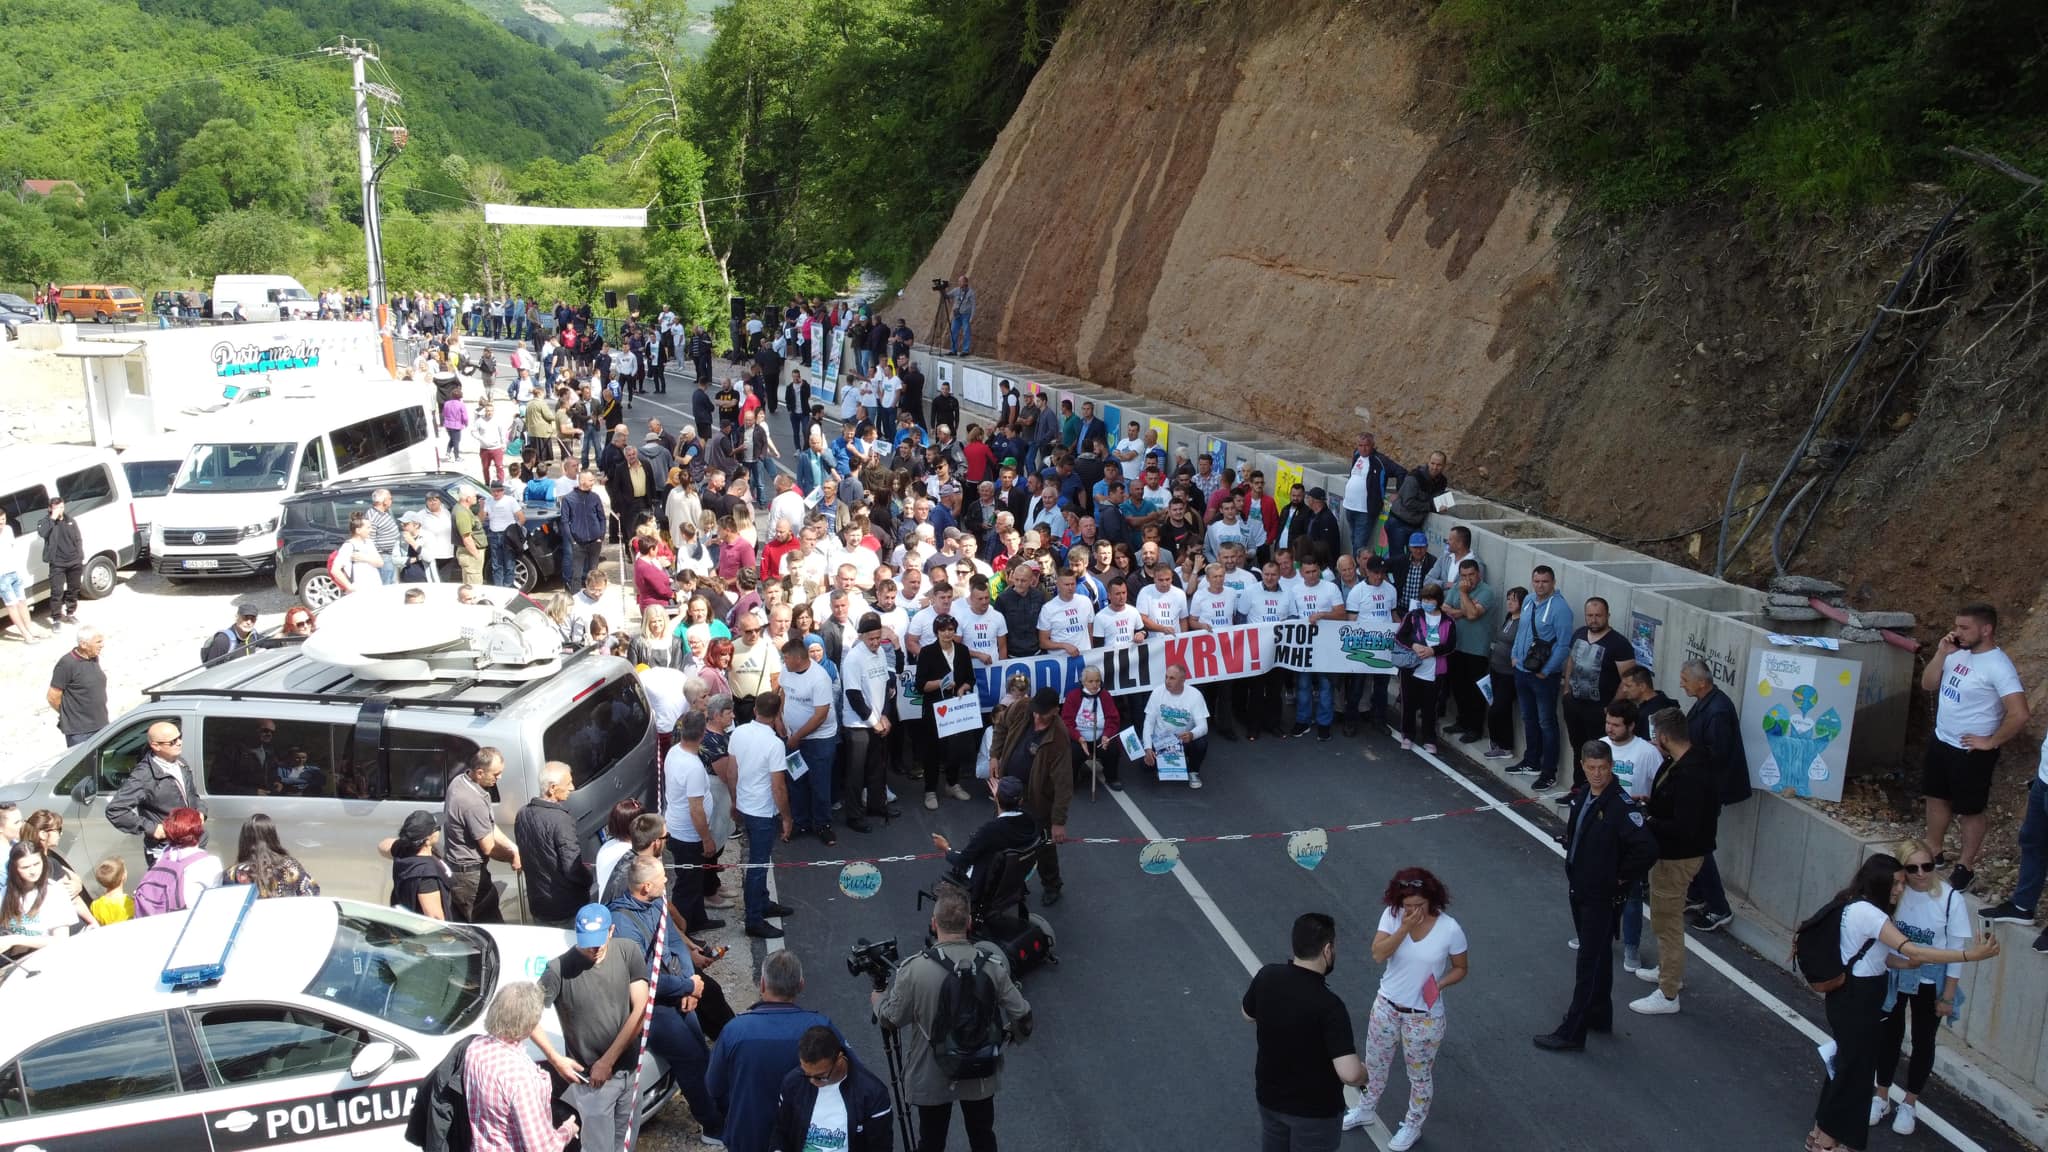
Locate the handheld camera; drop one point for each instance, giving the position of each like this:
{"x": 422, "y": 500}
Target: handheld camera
{"x": 876, "y": 960}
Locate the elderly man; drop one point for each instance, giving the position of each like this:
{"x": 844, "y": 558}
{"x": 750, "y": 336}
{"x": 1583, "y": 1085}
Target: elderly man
{"x": 1365, "y": 489}
{"x": 757, "y": 1050}
{"x": 471, "y": 839}
{"x": 384, "y": 531}
{"x": 551, "y": 849}
{"x": 507, "y": 1095}
{"x": 469, "y": 535}
{"x": 634, "y": 488}
{"x": 78, "y": 688}
{"x": 1042, "y": 756}
{"x": 162, "y": 781}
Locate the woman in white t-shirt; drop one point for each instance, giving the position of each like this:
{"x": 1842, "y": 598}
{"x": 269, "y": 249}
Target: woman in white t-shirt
{"x": 1932, "y": 913}
{"x": 1424, "y": 951}
{"x": 1856, "y": 1009}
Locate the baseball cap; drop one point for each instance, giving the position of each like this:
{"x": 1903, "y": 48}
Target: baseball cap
{"x": 497, "y": 485}
{"x": 245, "y": 611}
{"x": 1318, "y": 494}
{"x": 593, "y": 926}
{"x": 1010, "y": 790}
{"x": 1418, "y": 539}
{"x": 416, "y": 829}
{"x": 1046, "y": 700}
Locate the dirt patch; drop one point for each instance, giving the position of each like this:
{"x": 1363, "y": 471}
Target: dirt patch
{"x": 542, "y": 12}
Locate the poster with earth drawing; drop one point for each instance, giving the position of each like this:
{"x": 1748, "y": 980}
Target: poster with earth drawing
{"x": 1797, "y": 709}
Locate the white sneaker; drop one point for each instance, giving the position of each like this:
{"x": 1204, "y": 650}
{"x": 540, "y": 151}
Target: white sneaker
{"x": 1572, "y": 943}
{"x": 1356, "y": 1117}
{"x": 1404, "y": 1138}
{"x": 1649, "y": 974}
{"x": 1903, "y": 1121}
{"x": 1654, "y": 1004}
{"x": 931, "y": 801}
{"x": 1878, "y": 1106}
{"x": 1194, "y": 779}
{"x": 957, "y": 792}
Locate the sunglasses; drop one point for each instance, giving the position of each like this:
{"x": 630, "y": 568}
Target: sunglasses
{"x": 1411, "y": 883}
{"x": 1923, "y": 869}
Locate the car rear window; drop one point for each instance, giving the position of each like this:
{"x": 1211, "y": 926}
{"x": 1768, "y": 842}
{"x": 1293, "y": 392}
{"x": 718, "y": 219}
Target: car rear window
{"x": 599, "y": 730}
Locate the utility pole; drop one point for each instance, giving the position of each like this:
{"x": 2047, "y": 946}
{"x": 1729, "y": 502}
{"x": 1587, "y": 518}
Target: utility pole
{"x": 360, "y": 53}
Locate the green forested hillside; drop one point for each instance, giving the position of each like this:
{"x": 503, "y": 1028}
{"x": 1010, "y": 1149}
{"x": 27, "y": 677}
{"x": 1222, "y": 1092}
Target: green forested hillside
{"x": 203, "y": 128}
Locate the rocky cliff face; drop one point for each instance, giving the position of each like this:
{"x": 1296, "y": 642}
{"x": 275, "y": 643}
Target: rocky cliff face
{"x": 1279, "y": 213}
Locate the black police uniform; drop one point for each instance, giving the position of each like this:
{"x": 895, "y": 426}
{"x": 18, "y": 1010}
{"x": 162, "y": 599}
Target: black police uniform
{"x": 1607, "y": 850}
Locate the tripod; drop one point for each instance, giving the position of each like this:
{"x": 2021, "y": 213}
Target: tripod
{"x": 893, "y": 1048}
{"x": 942, "y": 321}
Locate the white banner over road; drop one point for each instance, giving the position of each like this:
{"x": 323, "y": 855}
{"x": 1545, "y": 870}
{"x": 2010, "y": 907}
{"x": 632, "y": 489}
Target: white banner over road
{"x": 565, "y": 217}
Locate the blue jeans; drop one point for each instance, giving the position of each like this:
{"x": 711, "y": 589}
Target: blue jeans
{"x": 1538, "y": 700}
{"x": 761, "y": 835}
{"x": 1631, "y": 919}
{"x": 679, "y": 1041}
{"x": 1354, "y": 695}
{"x": 1360, "y": 524}
{"x": 810, "y": 799}
{"x": 2033, "y": 848}
{"x": 501, "y": 569}
{"x": 1316, "y": 686}
{"x": 963, "y": 334}
{"x": 885, "y": 423}
{"x": 865, "y": 358}
{"x": 389, "y": 572}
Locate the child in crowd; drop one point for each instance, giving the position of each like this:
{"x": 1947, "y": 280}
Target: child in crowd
{"x": 114, "y": 904}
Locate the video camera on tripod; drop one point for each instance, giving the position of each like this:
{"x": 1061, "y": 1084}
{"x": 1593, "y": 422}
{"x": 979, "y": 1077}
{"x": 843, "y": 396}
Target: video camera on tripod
{"x": 876, "y": 960}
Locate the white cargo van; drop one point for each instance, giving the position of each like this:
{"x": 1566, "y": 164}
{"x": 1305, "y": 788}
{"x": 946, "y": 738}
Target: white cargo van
{"x": 95, "y": 491}
{"x": 263, "y": 299}
{"x": 221, "y": 516}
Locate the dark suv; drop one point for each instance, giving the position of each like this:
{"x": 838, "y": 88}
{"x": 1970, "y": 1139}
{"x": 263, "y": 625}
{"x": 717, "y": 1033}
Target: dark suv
{"x": 316, "y": 523}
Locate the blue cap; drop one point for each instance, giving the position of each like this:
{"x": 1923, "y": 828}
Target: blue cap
{"x": 593, "y": 926}
{"x": 1418, "y": 539}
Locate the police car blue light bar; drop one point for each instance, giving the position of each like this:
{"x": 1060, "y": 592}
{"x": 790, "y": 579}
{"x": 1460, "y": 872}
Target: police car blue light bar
{"x": 201, "y": 954}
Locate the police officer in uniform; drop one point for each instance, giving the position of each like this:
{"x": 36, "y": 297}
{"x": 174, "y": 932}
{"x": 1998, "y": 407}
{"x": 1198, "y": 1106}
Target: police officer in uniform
{"x": 1607, "y": 849}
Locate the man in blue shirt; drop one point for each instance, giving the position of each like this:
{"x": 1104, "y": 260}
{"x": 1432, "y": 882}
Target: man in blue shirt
{"x": 583, "y": 524}
{"x": 756, "y": 1051}
{"x": 1546, "y": 620}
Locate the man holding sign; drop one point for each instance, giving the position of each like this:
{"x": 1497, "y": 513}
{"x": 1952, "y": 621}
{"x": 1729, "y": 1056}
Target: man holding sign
{"x": 1177, "y": 728}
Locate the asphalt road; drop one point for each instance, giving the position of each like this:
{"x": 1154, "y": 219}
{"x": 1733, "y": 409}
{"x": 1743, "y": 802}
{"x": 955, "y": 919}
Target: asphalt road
{"x": 1139, "y": 1041}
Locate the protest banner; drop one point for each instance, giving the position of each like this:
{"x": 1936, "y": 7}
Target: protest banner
{"x": 1327, "y": 647}
{"x": 955, "y": 714}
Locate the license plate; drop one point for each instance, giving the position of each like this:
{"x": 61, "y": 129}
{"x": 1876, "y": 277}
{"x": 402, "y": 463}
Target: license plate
{"x": 202, "y": 563}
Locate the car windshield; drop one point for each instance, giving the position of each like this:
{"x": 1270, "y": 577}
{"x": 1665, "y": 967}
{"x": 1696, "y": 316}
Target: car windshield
{"x": 414, "y": 972}
{"x": 123, "y": 294}
{"x": 293, "y": 294}
{"x": 10, "y": 300}
{"x": 236, "y": 468}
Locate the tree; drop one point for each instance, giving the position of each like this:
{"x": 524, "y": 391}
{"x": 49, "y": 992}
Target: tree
{"x": 681, "y": 271}
{"x": 246, "y": 240}
{"x": 227, "y": 166}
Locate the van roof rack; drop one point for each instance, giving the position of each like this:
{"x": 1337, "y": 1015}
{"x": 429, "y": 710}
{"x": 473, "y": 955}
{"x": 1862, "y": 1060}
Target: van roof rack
{"x": 346, "y": 688}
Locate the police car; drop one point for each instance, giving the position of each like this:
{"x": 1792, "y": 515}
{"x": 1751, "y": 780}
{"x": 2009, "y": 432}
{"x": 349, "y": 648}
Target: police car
{"x": 246, "y": 1023}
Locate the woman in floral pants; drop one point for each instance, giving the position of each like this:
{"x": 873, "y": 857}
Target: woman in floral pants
{"x": 1424, "y": 953}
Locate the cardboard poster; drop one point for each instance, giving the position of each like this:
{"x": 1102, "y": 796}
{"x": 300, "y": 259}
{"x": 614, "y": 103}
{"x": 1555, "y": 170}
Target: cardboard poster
{"x": 1642, "y": 636}
{"x": 1285, "y": 477}
{"x": 1797, "y": 713}
{"x": 955, "y": 715}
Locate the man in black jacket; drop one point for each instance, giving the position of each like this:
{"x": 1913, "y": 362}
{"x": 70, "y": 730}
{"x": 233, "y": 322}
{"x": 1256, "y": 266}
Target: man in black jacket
{"x": 698, "y": 349}
{"x": 945, "y": 407}
{"x": 859, "y": 1120}
{"x": 64, "y": 553}
{"x": 1322, "y": 529}
{"x": 161, "y": 782}
{"x": 1683, "y": 810}
{"x": 1639, "y": 687}
{"x": 1011, "y": 828}
{"x": 1607, "y": 850}
{"x": 557, "y": 875}
{"x": 1712, "y": 726}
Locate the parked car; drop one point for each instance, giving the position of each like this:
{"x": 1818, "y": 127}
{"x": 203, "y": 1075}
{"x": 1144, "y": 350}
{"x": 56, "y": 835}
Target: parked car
{"x": 95, "y": 490}
{"x": 247, "y": 1023}
{"x": 98, "y": 303}
{"x": 14, "y": 312}
{"x": 338, "y": 737}
{"x": 315, "y": 524}
{"x": 187, "y": 305}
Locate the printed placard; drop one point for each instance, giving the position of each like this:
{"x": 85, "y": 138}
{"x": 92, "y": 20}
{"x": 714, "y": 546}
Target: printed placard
{"x": 956, "y": 714}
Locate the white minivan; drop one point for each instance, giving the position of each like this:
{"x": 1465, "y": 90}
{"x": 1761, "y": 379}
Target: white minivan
{"x": 263, "y": 299}
{"x": 95, "y": 491}
{"x": 221, "y": 516}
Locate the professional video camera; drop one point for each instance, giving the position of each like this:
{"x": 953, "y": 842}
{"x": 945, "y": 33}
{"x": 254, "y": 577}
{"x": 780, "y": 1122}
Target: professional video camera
{"x": 939, "y": 285}
{"x": 877, "y": 960}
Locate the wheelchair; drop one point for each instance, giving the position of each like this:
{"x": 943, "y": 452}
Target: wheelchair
{"x": 1002, "y": 915}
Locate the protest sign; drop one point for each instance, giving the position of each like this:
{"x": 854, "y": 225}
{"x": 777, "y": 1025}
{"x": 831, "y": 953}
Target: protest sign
{"x": 1328, "y": 647}
{"x": 955, "y": 714}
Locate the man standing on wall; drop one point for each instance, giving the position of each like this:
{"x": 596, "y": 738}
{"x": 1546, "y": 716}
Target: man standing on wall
{"x": 1978, "y": 707}
{"x": 1365, "y": 491}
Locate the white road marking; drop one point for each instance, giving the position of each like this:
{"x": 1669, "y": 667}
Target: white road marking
{"x": 1707, "y": 956}
{"x": 1232, "y": 938}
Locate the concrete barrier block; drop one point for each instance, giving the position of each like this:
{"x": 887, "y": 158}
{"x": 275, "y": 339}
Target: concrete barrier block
{"x": 1778, "y": 860}
{"x": 1883, "y": 619}
{"x": 1832, "y": 857}
{"x": 1805, "y": 586}
{"x": 1735, "y": 844}
{"x": 2013, "y": 1000}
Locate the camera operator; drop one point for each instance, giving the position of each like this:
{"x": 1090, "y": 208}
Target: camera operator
{"x": 936, "y": 1045}
{"x": 1011, "y": 828}
{"x": 831, "y": 1101}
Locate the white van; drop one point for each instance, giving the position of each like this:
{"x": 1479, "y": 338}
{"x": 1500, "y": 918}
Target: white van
{"x": 95, "y": 491}
{"x": 263, "y": 299}
{"x": 152, "y": 465}
{"x": 222, "y": 513}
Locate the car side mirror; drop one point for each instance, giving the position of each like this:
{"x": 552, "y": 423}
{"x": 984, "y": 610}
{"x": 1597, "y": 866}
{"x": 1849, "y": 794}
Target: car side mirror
{"x": 85, "y": 792}
{"x": 374, "y": 1058}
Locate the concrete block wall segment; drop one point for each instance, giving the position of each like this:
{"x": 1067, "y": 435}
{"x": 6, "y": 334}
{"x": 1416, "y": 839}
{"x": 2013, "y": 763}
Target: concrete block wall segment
{"x": 1735, "y": 836}
{"x": 1777, "y": 879}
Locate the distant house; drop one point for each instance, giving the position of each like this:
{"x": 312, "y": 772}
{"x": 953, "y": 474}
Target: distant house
{"x": 47, "y": 188}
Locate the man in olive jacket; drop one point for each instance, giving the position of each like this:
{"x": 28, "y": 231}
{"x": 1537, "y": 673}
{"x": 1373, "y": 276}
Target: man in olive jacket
{"x": 1042, "y": 755}
{"x": 910, "y": 1007}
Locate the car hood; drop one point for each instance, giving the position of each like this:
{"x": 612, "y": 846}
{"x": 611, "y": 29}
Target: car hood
{"x": 19, "y": 782}
{"x": 216, "y": 509}
{"x": 524, "y": 952}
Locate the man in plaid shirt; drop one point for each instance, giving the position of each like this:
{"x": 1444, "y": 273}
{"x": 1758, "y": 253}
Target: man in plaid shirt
{"x": 507, "y": 1094}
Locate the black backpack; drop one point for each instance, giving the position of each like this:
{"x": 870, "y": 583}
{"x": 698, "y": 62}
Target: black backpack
{"x": 967, "y": 1036}
{"x": 1817, "y": 948}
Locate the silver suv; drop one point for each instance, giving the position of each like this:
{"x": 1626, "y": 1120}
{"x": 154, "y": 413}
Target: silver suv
{"x": 337, "y": 739}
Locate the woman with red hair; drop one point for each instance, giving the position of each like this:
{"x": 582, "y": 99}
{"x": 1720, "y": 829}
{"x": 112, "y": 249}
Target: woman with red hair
{"x": 185, "y": 868}
{"x": 1424, "y": 952}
